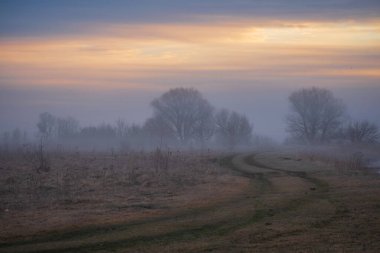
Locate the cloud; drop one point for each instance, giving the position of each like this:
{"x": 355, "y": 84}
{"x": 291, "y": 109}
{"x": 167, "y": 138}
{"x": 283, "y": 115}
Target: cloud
{"x": 133, "y": 55}
{"x": 44, "y": 17}
{"x": 246, "y": 55}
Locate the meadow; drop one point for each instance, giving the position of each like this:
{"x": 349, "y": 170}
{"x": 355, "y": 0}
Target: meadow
{"x": 283, "y": 200}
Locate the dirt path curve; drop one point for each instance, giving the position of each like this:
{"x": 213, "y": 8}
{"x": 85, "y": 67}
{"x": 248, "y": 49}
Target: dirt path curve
{"x": 184, "y": 229}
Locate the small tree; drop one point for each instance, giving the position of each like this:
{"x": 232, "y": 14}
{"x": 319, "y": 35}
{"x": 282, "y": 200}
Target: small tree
{"x": 232, "y": 129}
{"x": 46, "y": 126}
{"x": 136, "y": 136}
{"x": 160, "y": 133}
{"x": 67, "y": 127}
{"x": 121, "y": 128}
{"x": 362, "y": 132}
{"x": 205, "y": 127}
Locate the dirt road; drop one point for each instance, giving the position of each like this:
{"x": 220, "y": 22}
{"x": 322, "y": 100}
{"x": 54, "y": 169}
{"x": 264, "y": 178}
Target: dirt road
{"x": 288, "y": 208}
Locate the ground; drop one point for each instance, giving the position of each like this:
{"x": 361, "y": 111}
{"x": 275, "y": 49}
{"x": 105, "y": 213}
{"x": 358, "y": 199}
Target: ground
{"x": 252, "y": 202}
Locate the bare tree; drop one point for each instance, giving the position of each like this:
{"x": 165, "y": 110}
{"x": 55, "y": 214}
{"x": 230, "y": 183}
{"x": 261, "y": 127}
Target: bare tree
{"x": 184, "y": 112}
{"x": 362, "y": 132}
{"x": 46, "y": 124}
{"x": 121, "y": 128}
{"x": 232, "y": 128}
{"x": 135, "y": 137}
{"x": 67, "y": 127}
{"x": 205, "y": 127}
{"x": 316, "y": 115}
{"x": 159, "y": 130}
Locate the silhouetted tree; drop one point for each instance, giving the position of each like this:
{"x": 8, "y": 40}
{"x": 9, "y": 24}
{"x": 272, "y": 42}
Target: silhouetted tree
{"x": 157, "y": 128}
{"x": 185, "y": 112}
{"x": 135, "y": 137}
{"x": 316, "y": 115}
{"x": 205, "y": 127}
{"x": 362, "y": 132}
{"x": 232, "y": 129}
{"x": 12, "y": 140}
{"x": 121, "y": 128}
{"x": 67, "y": 127}
{"x": 46, "y": 124}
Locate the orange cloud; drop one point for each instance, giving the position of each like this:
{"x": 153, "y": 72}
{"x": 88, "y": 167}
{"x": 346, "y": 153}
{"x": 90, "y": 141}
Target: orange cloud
{"x": 124, "y": 54}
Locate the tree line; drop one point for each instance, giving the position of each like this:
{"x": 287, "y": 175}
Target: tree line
{"x": 318, "y": 117}
{"x": 183, "y": 118}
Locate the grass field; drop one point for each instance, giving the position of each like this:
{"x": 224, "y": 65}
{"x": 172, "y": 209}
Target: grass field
{"x": 251, "y": 202}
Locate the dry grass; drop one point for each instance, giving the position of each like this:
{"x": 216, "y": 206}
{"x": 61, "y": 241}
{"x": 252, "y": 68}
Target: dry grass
{"x": 87, "y": 188}
{"x": 268, "y": 202}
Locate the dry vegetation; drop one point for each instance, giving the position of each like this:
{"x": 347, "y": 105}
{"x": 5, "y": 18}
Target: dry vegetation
{"x": 279, "y": 201}
{"x": 85, "y": 188}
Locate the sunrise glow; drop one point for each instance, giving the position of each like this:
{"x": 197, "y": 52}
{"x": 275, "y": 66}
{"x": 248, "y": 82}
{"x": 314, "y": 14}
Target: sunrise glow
{"x": 128, "y": 53}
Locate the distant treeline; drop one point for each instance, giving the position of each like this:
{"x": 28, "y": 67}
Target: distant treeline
{"x": 182, "y": 118}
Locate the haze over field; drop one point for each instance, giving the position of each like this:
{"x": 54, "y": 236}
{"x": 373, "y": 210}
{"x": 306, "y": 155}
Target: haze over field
{"x": 189, "y": 126}
{"x": 101, "y": 60}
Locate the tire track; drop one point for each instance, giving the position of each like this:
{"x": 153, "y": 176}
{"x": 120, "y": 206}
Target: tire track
{"x": 42, "y": 242}
{"x": 245, "y": 164}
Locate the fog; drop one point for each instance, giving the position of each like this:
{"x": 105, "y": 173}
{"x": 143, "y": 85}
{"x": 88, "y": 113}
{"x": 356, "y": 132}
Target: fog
{"x": 189, "y": 126}
{"x": 265, "y": 107}
{"x": 99, "y": 62}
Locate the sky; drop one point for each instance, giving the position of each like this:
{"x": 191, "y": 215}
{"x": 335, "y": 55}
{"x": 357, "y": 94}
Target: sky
{"x": 99, "y": 60}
